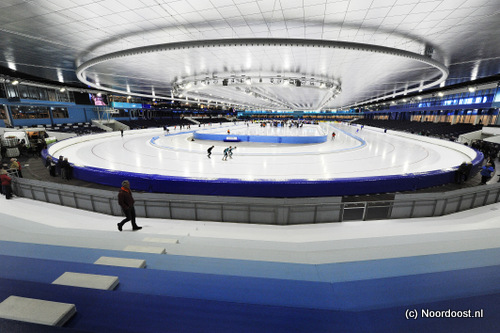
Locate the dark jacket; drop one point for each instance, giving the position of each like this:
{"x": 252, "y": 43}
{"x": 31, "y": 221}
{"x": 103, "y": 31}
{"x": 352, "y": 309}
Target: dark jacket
{"x": 125, "y": 199}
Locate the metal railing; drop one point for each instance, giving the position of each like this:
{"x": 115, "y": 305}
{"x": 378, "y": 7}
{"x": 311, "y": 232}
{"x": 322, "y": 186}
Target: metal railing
{"x": 260, "y": 210}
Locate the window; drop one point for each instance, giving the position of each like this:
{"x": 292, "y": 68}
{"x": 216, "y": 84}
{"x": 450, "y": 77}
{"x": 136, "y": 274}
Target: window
{"x": 29, "y": 112}
{"x": 3, "y": 114}
{"x": 11, "y": 90}
{"x": 30, "y": 92}
{"x": 59, "y": 112}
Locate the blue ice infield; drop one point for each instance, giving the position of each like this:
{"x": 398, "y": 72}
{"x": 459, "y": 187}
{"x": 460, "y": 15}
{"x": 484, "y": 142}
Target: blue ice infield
{"x": 200, "y": 135}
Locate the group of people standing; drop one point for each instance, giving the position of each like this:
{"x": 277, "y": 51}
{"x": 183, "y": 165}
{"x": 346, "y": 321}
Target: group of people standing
{"x": 61, "y": 167}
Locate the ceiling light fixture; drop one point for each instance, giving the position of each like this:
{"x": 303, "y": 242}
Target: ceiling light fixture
{"x": 226, "y": 84}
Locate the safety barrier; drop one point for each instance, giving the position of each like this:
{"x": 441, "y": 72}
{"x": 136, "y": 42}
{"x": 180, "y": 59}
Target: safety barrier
{"x": 279, "y": 211}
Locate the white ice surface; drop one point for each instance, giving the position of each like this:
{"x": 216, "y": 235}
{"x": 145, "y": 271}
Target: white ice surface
{"x": 345, "y": 157}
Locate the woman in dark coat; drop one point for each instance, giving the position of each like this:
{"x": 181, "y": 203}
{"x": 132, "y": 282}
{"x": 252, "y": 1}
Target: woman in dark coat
{"x": 126, "y": 202}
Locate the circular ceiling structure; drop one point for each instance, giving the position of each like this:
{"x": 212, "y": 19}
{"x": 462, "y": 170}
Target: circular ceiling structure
{"x": 264, "y": 83}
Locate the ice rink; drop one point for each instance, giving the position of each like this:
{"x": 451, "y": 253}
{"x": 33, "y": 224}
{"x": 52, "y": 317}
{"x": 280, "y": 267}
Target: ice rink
{"x": 354, "y": 153}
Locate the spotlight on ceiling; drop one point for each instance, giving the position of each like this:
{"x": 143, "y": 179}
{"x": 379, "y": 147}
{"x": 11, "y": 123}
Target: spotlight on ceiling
{"x": 15, "y": 82}
{"x": 62, "y": 89}
{"x": 472, "y": 89}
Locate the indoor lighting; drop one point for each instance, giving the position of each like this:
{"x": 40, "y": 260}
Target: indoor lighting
{"x": 472, "y": 89}
{"x": 15, "y": 82}
{"x": 62, "y": 89}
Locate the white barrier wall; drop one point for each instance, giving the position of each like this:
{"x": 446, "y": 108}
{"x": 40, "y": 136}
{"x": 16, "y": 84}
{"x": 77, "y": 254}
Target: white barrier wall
{"x": 470, "y": 137}
{"x": 187, "y": 207}
{"x": 491, "y": 130}
{"x": 260, "y": 210}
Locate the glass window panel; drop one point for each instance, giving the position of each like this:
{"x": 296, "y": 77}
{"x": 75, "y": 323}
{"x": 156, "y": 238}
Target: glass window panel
{"x": 60, "y": 113}
{"x": 23, "y": 91}
{"x": 29, "y": 112}
{"x": 3, "y": 114}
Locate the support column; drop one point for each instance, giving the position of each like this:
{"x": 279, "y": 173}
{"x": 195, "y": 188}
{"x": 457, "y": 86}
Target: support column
{"x": 454, "y": 118}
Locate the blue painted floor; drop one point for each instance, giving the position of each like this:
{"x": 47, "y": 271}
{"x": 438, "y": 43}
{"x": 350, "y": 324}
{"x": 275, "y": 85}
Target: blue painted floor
{"x": 241, "y": 293}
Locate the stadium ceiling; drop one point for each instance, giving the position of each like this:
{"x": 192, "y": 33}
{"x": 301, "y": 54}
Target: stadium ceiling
{"x": 254, "y": 54}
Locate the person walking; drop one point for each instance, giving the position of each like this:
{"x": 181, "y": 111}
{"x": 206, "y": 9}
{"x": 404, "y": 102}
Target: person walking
{"x": 209, "y": 151}
{"x": 126, "y": 202}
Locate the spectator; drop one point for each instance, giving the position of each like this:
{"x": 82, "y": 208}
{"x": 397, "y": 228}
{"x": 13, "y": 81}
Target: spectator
{"x": 486, "y": 172}
{"x": 126, "y": 202}
{"x": 51, "y": 166}
{"x": 461, "y": 173}
{"x": 59, "y": 165}
{"x": 65, "y": 169}
{"x": 68, "y": 169}
{"x": 15, "y": 165}
{"x": 6, "y": 184}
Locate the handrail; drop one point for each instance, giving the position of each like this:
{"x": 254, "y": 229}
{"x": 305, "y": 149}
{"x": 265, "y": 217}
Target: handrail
{"x": 260, "y": 210}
